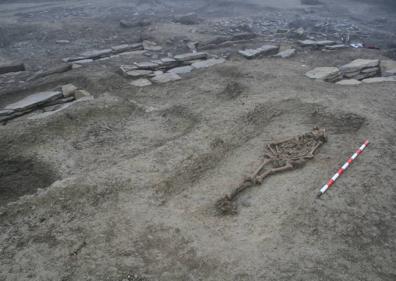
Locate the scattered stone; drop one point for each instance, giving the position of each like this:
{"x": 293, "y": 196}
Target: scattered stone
{"x": 139, "y": 73}
{"x": 6, "y": 68}
{"x": 135, "y": 23}
{"x": 379, "y": 79}
{"x": 147, "y": 65}
{"x": 191, "y": 56}
{"x": 96, "y": 54}
{"x": 188, "y": 19}
{"x": 166, "y": 77}
{"x": 328, "y": 74}
{"x": 243, "y": 36}
{"x": 349, "y": 82}
{"x": 316, "y": 44}
{"x": 68, "y": 90}
{"x": 62, "y": 42}
{"x": 151, "y": 46}
{"x": 207, "y": 63}
{"x": 265, "y": 50}
{"x": 181, "y": 69}
{"x": 141, "y": 83}
{"x": 34, "y": 100}
{"x": 79, "y": 94}
{"x": 388, "y": 68}
{"x": 336, "y": 47}
{"x": 286, "y": 53}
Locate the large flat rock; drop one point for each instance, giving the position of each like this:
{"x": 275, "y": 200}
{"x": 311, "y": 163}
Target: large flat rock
{"x": 165, "y": 77}
{"x": 358, "y": 65}
{"x": 328, "y": 74}
{"x": 181, "y": 69}
{"x": 34, "y": 100}
{"x": 265, "y": 50}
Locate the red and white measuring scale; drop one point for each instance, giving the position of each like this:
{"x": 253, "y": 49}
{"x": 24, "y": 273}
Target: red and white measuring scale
{"x": 343, "y": 168}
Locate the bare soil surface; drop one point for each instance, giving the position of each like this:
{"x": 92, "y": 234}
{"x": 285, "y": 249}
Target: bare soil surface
{"x": 124, "y": 186}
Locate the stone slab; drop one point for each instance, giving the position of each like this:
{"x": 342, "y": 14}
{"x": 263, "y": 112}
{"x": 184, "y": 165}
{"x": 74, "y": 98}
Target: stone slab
{"x": 141, "y": 83}
{"x": 181, "y": 69}
{"x": 265, "y": 50}
{"x": 166, "y": 77}
{"x": 359, "y": 64}
{"x": 286, "y": 53}
{"x": 329, "y": 74}
{"x": 349, "y": 82}
{"x": 34, "y": 100}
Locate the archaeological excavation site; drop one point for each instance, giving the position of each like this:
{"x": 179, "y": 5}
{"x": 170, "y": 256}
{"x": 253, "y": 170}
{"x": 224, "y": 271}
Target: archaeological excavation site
{"x": 197, "y": 140}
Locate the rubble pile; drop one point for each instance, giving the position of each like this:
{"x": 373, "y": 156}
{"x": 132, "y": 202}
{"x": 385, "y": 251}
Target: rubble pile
{"x": 167, "y": 69}
{"x": 356, "y": 72}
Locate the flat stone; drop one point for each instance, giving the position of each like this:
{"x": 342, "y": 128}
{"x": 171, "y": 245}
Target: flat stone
{"x": 314, "y": 43}
{"x": 191, "y": 56}
{"x": 379, "y": 79}
{"x": 68, "y": 90}
{"x": 85, "y": 61}
{"x": 62, "y": 42}
{"x": 349, "y": 82}
{"x": 207, "y": 63}
{"x": 6, "y": 68}
{"x": 147, "y": 65}
{"x": 6, "y": 112}
{"x": 329, "y": 74}
{"x": 181, "y": 69}
{"x": 166, "y": 77}
{"x": 139, "y": 73}
{"x": 121, "y": 48}
{"x": 374, "y": 70}
{"x": 151, "y": 46}
{"x": 336, "y": 47}
{"x": 388, "y": 68}
{"x": 141, "y": 83}
{"x": 34, "y": 100}
{"x": 358, "y": 65}
{"x": 265, "y": 50}
{"x": 95, "y": 54}
{"x": 286, "y": 53}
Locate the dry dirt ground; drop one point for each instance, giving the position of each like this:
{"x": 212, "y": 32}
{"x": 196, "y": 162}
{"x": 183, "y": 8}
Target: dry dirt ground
{"x": 123, "y": 187}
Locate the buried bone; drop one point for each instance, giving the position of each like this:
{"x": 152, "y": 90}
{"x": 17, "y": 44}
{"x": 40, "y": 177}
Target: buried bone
{"x": 279, "y": 157}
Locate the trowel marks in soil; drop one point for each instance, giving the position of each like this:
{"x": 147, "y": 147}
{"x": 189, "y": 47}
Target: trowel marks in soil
{"x": 19, "y": 176}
